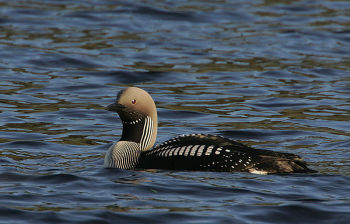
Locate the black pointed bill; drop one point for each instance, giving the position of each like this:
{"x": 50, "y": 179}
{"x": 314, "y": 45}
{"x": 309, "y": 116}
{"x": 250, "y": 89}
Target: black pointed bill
{"x": 116, "y": 107}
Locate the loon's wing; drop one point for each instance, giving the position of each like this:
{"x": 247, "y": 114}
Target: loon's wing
{"x": 215, "y": 153}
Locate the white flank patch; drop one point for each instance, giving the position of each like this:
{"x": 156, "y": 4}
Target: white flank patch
{"x": 171, "y": 152}
{"x": 188, "y": 148}
{"x": 252, "y": 170}
{"x": 200, "y": 150}
{"x": 209, "y": 150}
{"x": 176, "y": 151}
{"x": 182, "y": 150}
{"x": 193, "y": 150}
{"x": 163, "y": 153}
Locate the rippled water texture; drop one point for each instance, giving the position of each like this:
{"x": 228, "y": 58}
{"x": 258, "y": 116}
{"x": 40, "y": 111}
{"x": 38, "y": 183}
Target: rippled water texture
{"x": 272, "y": 74}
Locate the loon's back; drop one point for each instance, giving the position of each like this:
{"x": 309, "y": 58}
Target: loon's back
{"x": 215, "y": 153}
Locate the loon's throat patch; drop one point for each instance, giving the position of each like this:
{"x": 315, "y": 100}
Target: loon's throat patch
{"x": 132, "y": 130}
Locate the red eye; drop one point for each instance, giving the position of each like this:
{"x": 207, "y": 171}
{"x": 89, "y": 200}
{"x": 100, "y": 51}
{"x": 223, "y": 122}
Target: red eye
{"x": 133, "y": 101}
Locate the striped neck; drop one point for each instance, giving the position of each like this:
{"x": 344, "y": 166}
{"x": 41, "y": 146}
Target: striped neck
{"x": 140, "y": 131}
{"x": 123, "y": 155}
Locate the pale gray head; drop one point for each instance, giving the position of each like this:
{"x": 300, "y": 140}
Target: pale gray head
{"x": 138, "y": 113}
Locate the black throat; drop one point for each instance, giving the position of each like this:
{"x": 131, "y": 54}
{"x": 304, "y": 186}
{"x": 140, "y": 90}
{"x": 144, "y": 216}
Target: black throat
{"x": 132, "y": 130}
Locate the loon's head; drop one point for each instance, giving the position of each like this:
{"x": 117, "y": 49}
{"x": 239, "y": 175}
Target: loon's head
{"x": 138, "y": 112}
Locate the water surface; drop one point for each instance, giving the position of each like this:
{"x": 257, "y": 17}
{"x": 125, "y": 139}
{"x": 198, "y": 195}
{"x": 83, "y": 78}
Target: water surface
{"x": 273, "y": 75}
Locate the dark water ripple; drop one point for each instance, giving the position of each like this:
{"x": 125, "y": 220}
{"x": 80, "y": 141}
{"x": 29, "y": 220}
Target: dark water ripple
{"x": 204, "y": 197}
{"x": 272, "y": 74}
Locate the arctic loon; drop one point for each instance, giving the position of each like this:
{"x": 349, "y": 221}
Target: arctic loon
{"x": 195, "y": 152}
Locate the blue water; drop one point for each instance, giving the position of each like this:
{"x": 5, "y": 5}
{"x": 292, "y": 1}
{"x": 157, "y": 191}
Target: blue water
{"x": 273, "y": 75}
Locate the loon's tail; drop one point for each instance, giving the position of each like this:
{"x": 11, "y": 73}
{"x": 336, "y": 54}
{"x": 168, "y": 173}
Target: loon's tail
{"x": 288, "y": 163}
